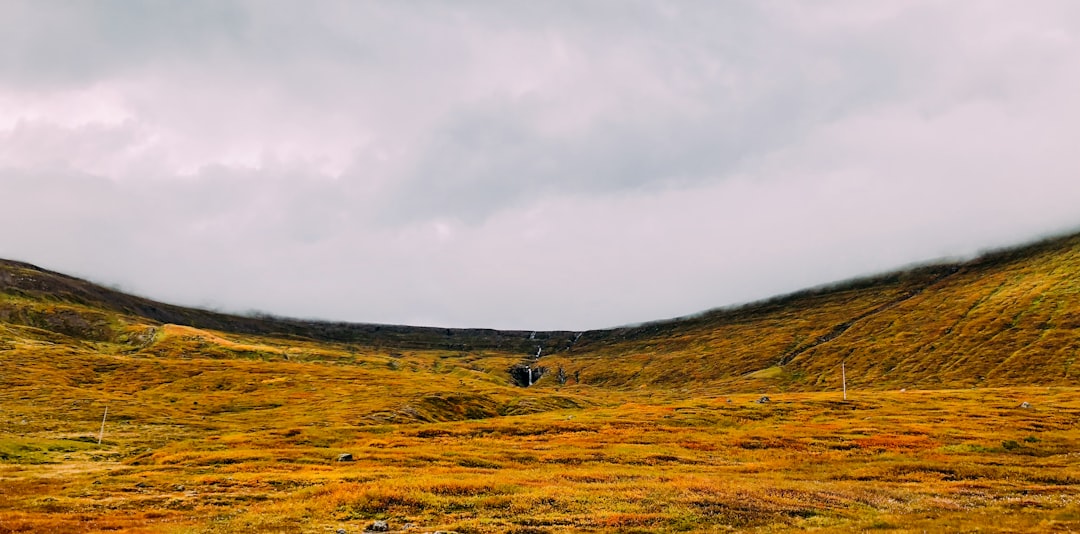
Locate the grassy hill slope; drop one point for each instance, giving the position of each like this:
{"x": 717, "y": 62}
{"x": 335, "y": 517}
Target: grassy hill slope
{"x": 219, "y": 423}
{"x": 29, "y": 283}
{"x": 1008, "y": 318}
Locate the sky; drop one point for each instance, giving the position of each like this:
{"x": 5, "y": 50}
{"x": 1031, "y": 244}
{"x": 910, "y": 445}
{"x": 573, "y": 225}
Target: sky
{"x": 527, "y": 165}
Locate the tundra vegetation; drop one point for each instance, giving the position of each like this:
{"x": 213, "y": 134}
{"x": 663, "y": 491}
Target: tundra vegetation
{"x": 237, "y": 424}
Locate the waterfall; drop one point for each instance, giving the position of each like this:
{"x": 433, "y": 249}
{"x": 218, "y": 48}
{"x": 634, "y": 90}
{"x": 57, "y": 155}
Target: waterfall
{"x": 529, "y": 369}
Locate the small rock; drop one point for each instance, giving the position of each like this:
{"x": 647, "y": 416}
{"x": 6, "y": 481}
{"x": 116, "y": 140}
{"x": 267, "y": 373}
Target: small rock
{"x": 763, "y": 399}
{"x": 340, "y": 531}
{"x": 344, "y": 457}
{"x": 377, "y": 526}
{"x": 408, "y": 526}
{"x": 1025, "y": 405}
{"x": 179, "y": 488}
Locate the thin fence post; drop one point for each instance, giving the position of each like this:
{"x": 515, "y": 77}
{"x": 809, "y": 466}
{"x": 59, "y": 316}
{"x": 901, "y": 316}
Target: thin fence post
{"x": 843, "y": 377}
{"x": 102, "y": 431}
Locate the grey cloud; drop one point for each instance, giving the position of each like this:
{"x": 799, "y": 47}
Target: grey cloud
{"x": 495, "y": 153}
{"x": 49, "y": 44}
{"x": 529, "y": 165}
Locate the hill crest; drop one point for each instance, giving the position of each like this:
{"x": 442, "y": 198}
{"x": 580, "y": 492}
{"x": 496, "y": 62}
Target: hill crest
{"x": 913, "y": 327}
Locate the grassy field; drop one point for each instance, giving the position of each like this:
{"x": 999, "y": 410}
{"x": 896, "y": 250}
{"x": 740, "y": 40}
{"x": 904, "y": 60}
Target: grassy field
{"x": 211, "y": 434}
{"x": 657, "y": 428}
{"x": 961, "y": 460}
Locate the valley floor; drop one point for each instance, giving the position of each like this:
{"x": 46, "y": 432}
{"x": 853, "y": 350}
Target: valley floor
{"x": 900, "y": 461}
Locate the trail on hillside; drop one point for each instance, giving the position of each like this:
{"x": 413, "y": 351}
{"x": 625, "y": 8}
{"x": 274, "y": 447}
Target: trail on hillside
{"x": 839, "y": 329}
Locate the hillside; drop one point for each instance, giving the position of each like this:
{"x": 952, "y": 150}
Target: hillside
{"x": 31, "y": 283}
{"x": 1008, "y": 318}
{"x": 221, "y": 423}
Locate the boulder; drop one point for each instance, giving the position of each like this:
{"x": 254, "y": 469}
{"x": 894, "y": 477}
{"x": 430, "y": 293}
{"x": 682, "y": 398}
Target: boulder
{"x": 377, "y": 526}
{"x": 344, "y": 457}
{"x": 1025, "y": 405}
{"x": 763, "y": 399}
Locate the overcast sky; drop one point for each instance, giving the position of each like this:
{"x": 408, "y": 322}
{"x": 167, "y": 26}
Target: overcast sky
{"x": 532, "y": 165}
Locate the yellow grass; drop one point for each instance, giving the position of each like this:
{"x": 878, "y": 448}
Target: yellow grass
{"x": 655, "y": 429}
{"x": 196, "y": 444}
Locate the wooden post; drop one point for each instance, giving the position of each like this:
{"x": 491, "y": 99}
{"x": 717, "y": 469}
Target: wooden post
{"x": 102, "y": 431}
{"x": 843, "y": 377}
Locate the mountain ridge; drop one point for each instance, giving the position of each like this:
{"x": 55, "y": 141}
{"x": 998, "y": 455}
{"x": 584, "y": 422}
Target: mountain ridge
{"x": 792, "y": 339}
{"x": 121, "y": 301}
